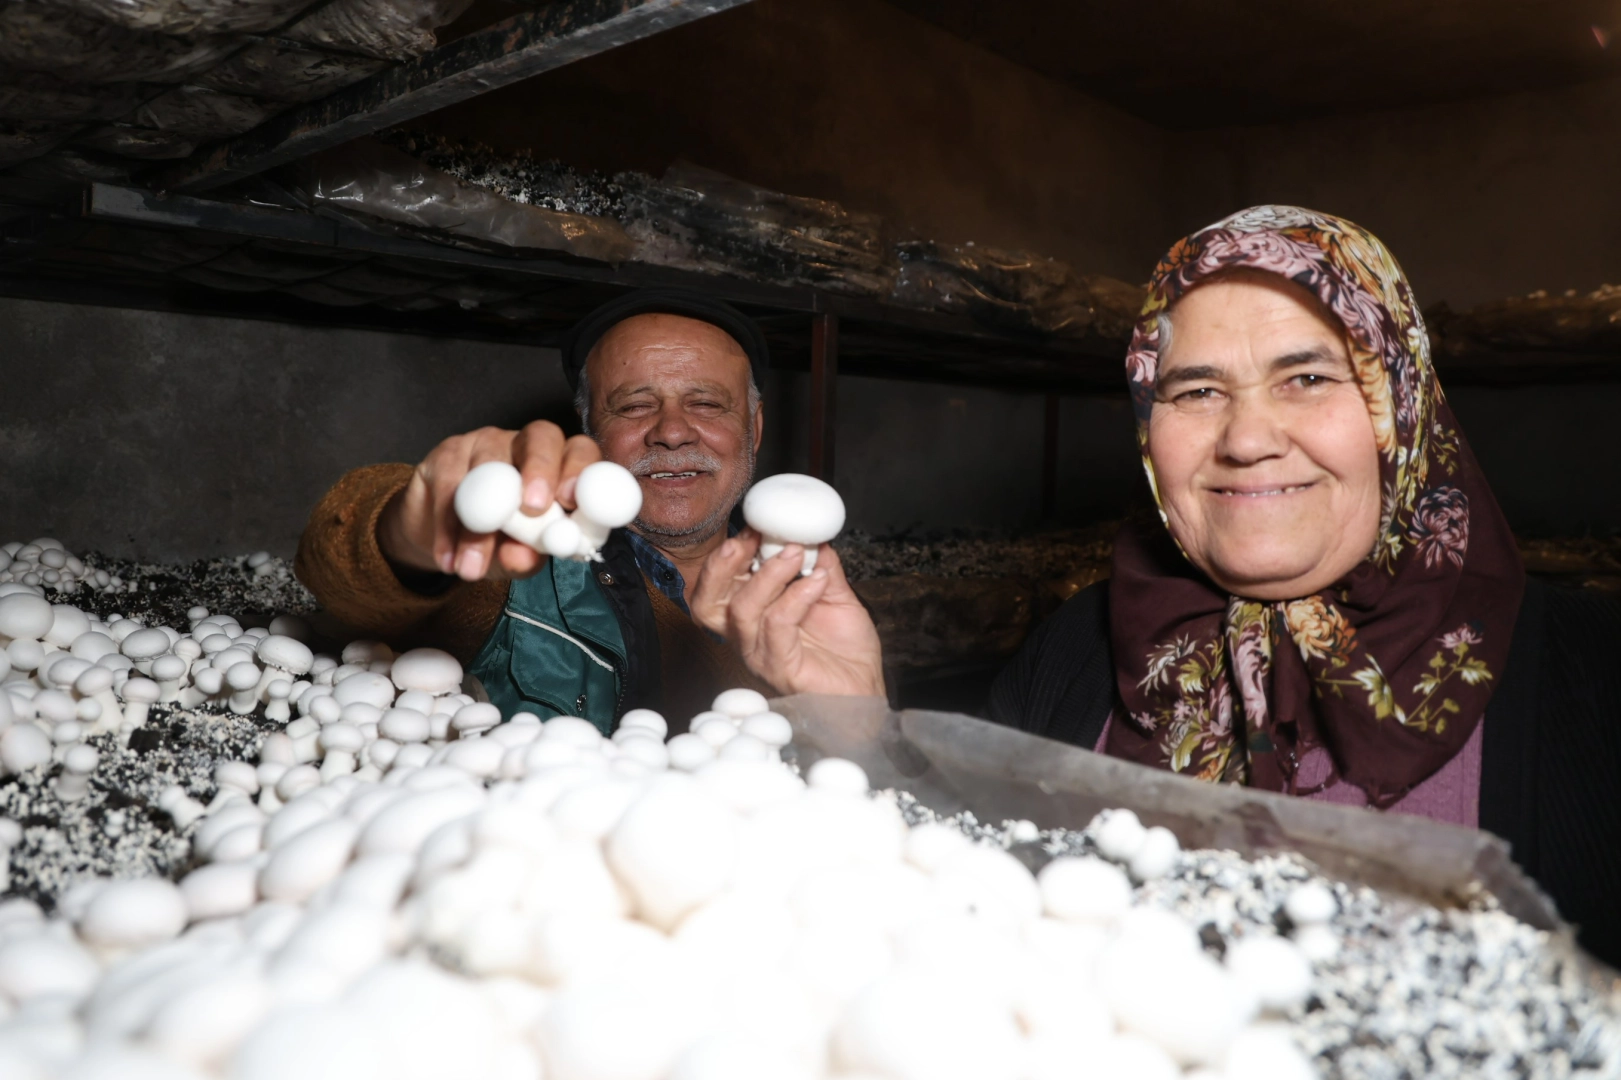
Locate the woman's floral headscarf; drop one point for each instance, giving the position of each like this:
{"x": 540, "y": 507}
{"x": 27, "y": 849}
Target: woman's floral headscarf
{"x": 1388, "y": 670}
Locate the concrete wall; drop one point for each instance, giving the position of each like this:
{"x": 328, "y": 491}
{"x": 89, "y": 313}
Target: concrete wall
{"x": 176, "y": 437}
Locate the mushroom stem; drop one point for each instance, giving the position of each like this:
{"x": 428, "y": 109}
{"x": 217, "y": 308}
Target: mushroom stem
{"x": 771, "y": 547}
{"x": 490, "y": 499}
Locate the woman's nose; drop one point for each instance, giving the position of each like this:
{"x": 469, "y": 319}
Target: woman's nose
{"x": 1252, "y": 430}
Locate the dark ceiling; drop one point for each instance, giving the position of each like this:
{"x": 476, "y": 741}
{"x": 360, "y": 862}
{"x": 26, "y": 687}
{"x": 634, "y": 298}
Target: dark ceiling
{"x": 1213, "y": 63}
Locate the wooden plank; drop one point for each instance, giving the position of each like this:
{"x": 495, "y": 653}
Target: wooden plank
{"x": 508, "y": 52}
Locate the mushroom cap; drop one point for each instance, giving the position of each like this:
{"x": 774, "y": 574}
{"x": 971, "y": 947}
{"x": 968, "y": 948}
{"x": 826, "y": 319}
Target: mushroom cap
{"x": 608, "y": 494}
{"x": 488, "y": 495}
{"x": 168, "y": 666}
{"x": 479, "y": 716}
{"x": 67, "y": 624}
{"x": 138, "y": 689}
{"x": 145, "y": 644}
{"x": 793, "y": 507}
{"x": 24, "y": 615}
{"x": 289, "y": 654}
{"x": 343, "y": 737}
{"x": 133, "y": 912}
{"x": 367, "y": 686}
{"x": 433, "y": 671}
{"x": 242, "y": 676}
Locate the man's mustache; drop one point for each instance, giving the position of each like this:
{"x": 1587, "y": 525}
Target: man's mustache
{"x": 674, "y": 461}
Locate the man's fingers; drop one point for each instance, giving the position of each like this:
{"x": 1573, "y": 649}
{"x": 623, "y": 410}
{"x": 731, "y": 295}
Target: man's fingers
{"x": 474, "y": 555}
{"x": 748, "y": 604}
{"x": 724, "y": 569}
{"x": 516, "y": 560}
{"x": 780, "y": 628}
{"x": 537, "y": 451}
{"x": 578, "y": 452}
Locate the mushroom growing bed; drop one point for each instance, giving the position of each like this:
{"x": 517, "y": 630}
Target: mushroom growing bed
{"x": 393, "y": 880}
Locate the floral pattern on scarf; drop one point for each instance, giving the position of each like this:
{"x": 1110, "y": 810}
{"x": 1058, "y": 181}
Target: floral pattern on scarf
{"x": 1390, "y": 668}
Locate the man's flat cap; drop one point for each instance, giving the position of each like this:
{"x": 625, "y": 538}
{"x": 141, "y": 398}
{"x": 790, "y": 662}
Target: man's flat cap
{"x": 688, "y": 302}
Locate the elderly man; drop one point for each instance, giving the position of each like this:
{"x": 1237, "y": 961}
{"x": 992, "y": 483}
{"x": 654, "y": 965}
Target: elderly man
{"x": 666, "y": 385}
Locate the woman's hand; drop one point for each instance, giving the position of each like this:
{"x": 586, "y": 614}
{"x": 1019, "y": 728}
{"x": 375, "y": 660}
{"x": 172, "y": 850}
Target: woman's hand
{"x": 807, "y": 635}
{"x": 419, "y": 529}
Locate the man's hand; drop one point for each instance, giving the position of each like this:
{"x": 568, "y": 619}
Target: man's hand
{"x": 419, "y": 529}
{"x": 806, "y": 635}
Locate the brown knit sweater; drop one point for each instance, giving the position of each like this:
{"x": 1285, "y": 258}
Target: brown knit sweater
{"x": 340, "y": 562}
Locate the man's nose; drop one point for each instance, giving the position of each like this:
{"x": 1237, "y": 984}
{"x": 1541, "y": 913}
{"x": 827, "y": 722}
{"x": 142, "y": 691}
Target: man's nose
{"x": 672, "y": 429}
{"x": 1253, "y": 430}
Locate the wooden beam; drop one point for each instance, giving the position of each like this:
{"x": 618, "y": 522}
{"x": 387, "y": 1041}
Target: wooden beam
{"x": 508, "y": 52}
{"x": 824, "y": 393}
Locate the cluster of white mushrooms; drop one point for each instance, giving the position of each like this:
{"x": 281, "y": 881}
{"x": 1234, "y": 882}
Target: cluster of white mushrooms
{"x": 405, "y": 884}
{"x": 46, "y": 563}
{"x": 789, "y": 508}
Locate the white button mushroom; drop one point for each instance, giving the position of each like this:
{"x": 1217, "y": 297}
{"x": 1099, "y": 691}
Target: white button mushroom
{"x": 77, "y": 765}
{"x": 284, "y": 658}
{"x": 243, "y": 679}
{"x": 428, "y": 671}
{"x": 791, "y": 508}
{"x": 1084, "y": 889}
{"x": 133, "y": 913}
{"x": 674, "y": 848}
{"x": 23, "y": 747}
{"x": 1118, "y": 834}
{"x": 1310, "y": 904}
{"x": 24, "y": 617}
{"x": 1273, "y": 967}
{"x": 607, "y": 496}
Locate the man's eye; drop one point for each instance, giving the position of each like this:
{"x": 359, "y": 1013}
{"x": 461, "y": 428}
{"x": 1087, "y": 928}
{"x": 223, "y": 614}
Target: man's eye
{"x": 1196, "y": 395}
{"x": 1311, "y": 381}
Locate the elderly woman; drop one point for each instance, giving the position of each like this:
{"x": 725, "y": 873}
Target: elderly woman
{"x": 1334, "y": 608}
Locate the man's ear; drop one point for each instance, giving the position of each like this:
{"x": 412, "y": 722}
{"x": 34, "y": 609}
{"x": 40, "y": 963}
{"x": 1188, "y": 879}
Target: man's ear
{"x": 759, "y": 425}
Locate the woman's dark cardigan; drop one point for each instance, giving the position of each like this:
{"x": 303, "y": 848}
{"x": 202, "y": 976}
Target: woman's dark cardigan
{"x": 1551, "y": 760}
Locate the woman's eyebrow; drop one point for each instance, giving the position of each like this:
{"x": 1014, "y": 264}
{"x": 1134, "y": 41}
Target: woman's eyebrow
{"x": 1191, "y": 373}
{"x": 1317, "y": 354}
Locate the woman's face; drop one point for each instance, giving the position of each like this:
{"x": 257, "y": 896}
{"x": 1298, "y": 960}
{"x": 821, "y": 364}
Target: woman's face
{"x": 1261, "y": 443}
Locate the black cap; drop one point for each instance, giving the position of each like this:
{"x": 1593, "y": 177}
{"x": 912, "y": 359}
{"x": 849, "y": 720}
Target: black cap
{"x": 688, "y": 302}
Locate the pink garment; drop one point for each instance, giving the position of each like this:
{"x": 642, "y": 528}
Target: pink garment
{"x": 1451, "y": 795}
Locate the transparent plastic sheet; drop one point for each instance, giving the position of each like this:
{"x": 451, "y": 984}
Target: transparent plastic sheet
{"x": 189, "y": 16}
{"x": 139, "y": 142}
{"x": 696, "y": 219}
{"x": 1009, "y": 288}
{"x": 953, "y": 763}
{"x": 77, "y": 48}
{"x": 1590, "y": 321}
{"x": 38, "y": 97}
{"x": 20, "y": 141}
{"x": 374, "y": 179}
{"x": 1115, "y": 305}
{"x": 289, "y": 72}
{"x": 204, "y": 113}
{"x": 386, "y": 29}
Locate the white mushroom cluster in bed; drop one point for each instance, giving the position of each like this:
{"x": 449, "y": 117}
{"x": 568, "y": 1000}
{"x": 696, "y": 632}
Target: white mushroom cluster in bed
{"x": 47, "y": 563}
{"x": 411, "y": 889}
{"x": 406, "y": 884}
